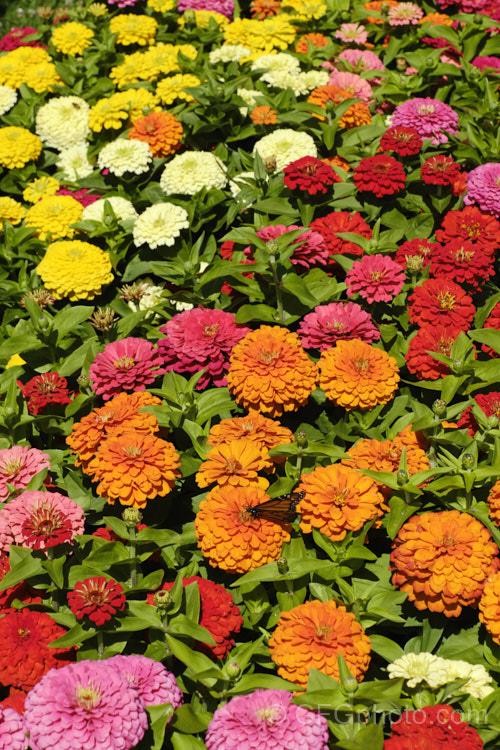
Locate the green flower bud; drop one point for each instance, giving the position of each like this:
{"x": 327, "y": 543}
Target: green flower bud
{"x": 301, "y": 439}
{"x": 350, "y": 685}
{"x": 83, "y": 381}
{"x": 162, "y": 600}
{"x": 402, "y": 477}
{"x": 493, "y": 422}
{"x": 439, "y": 407}
{"x": 272, "y": 247}
{"x": 401, "y": 64}
{"x": 132, "y": 516}
{"x": 468, "y": 461}
{"x": 233, "y": 669}
{"x": 282, "y": 564}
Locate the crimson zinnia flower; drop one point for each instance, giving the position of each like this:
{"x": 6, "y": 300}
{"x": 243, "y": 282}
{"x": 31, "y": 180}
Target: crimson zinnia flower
{"x": 42, "y": 390}
{"x": 433, "y": 727}
{"x": 338, "y": 222}
{"x": 492, "y": 321}
{"x": 404, "y": 141}
{"x": 380, "y": 175}
{"x": 416, "y": 249}
{"x": 430, "y": 338}
{"x": 310, "y": 175}
{"x": 488, "y": 402}
{"x": 96, "y": 598}
{"x": 463, "y": 261}
{"x": 471, "y": 224}
{"x": 439, "y": 170}
{"x": 440, "y": 301}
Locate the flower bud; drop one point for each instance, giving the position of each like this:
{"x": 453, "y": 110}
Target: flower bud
{"x": 83, "y": 381}
{"x": 350, "y": 685}
{"x": 414, "y": 263}
{"x": 468, "y": 461}
{"x": 132, "y": 516}
{"x": 402, "y": 477}
{"x": 301, "y": 439}
{"x": 430, "y": 62}
{"x": 493, "y": 422}
{"x": 219, "y": 92}
{"x": 269, "y": 164}
{"x": 162, "y": 600}
{"x": 272, "y": 247}
{"x": 439, "y": 407}
{"x": 190, "y": 17}
{"x": 282, "y": 564}
{"x": 233, "y": 669}
{"x": 9, "y": 411}
{"x": 401, "y": 64}
{"x": 43, "y": 322}
{"x": 103, "y": 319}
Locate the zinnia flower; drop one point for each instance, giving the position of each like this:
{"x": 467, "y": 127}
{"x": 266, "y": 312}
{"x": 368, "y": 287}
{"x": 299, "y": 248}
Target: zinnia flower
{"x": 418, "y": 668}
{"x": 134, "y": 467}
{"x": 25, "y": 655}
{"x": 337, "y": 500}
{"x": 356, "y": 375}
{"x": 264, "y": 432}
{"x": 430, "y": 338}
{"x": 439, "y": 170}
{"x": 12, "y": 730}
{"x": 414, "y": 253}
{"x": 443, "y": 560}
{"x": 18, "y": 146}
{"x": 441, "y": 302}
{"x": 18, "y": 466}
{"x": 357, "y": 87}
{"x": 336, "y": 321}
{"x": 54, "y": 215}
{"x": 152, "y": 681}
{"x": 483, "y": 187}
{"x": 463, "y": 261}
{"x": 190, "y": 172}
{"x": 403, "y": 140}
{"x": 270, "y": 372}
{"x": 470, "y": 224}
{"x": 218, "y": 614}
{"x": 160, "y": 130}
{"x": 97, "y": 599}
{"x": 265, "y": 719}
{"x": 380, "y": 175}
{"x": 85, "y": 705}
{"x": 309, "y": 249}
{"x": 75, "y": 269}
{"x": 63, "y": 122}
{"x": 233, "y": 539}
{"x": 339, "y": 222}
{"x": 404, "y": 14}
{"x": 309, "y": 175}
{"x": 376, "y": 278}
{"x": 352, "y": 33}
{"x": 492, "y": 321}
{"x": 438, "y": 727}
{"x": 356, "y": 115}
{"x": 489, "y": 604}
{"x": 72, "y": 38}
{"x": 129, "y": 364}
{"x": 284, "y": 146}
{"x": 431, "y": 118}
{"x": 313, "y": 635}
{"x": 489, "y": 403}
{"x": 46, "y": 389}
{"x": 201, "y": 339}
{"x": 236, "y": 463}
{"x": 122, "y": 156}
{"x": 263, "y": 115}
{"x": 40, "y": 520}
{"x": 133, "y": 29}
{"x": 316, "y": 40}
{"x": 160, "y": 225}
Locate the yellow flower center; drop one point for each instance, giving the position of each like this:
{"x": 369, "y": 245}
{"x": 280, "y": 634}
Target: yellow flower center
{"x": 362, "y": 365}
{"x": 12, "y": 466}
{"x": 211, "y": 330}
{"x": 233, "y": 465}
{"x": 88, "y": 696}
{"x": 124, "y": 363}
{"x": 323, "y": 632}
{"x": 133, "y": 451}
{"x": 464, "y": 255}
{"x": 268, "y": 356}
{"x": 271, "y": 715}
{"x": 446, "y": 300}
{"x": 426, "y": 109}
{"x": 341, "y": 497}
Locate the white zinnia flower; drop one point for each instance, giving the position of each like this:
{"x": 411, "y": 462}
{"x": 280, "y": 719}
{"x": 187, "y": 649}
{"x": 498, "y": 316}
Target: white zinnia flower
{"x": 284, "y": 146}
{"x": 190, "y": 172}
{"x": 73, "y": 162}
{"x": 152, "y": 295}
{"x": 160, "y": 224}
{"x": 278, "y": 62}
{"x": 122, "y": 156}
{"x": 63, "y": 122}
{"x": 122, "y": 208}
{"x": 416, "y": 668}
{"x": 8, "y": 97}
{"x": 228, "y": 53}
{"x": 248, "y": 96}
{"x": 478, "y": 678}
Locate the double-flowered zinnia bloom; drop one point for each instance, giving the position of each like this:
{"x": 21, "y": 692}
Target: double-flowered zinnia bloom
{"x": 438, "y": 727}
{"x": 312, "y": 635}
{"x": 441, "y": 302}
{"x": 18, "y": 466}
{"x": 75, "y": 269}
{"x": 489, "y": 604}
{"x": 483, "y": 187}
{"x": 380, "y": 175}
{"x": 235, "y": 464}
{"x": 443, "y": 561}
{"x": 376, "y": 278}
{"x": 264, "y": 432}
{"x": 129, "y": 364}
{"x": 310, "y": 175}
{"x": 160, "y": 130}
{"x": 44, "y": 390}
{"x": 336, "y": 321}
{"x": 97, "y": 599}
{"x": 54, "y": 215}
{"x": 12, "y": 729}
{"x": 356, "y": 375}
{"x": 430, "y": 338}
{"x": 154, "y": 684}
{"x": 270, "y": 372}
{"x": 431, "y": 118}
{"x": 333, "y": 225}
{"x": 18, "y": 146}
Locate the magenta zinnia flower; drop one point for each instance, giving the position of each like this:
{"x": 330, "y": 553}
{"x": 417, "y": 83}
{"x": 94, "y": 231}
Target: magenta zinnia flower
{"x": 126, "y": 365}
{"x": 328, "y": 324}
{"x": 153, "y": 682}
{"x": 362, "y": 60}
{"x": 12, "y": 730}
{"x": 266, "y": 719}
{"x": 40, "y": 520}
{"x": 310, "y": 250}
{"x": 430, "y": 117}
{"x": 487, "y": 62}
{"x": 483, "y": 187}
{"x": 198, "y": 339}
{"x": 352, "y": 32}
{"x": 224, "y": 7}
{"x": 18, "y": 466}
{"x": 377, "y": 278}
{"x": 87, "y": 705}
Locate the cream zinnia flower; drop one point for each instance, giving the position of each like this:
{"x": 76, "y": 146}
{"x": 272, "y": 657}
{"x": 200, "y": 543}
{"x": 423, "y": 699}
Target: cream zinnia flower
{"x": 284, "y": 146}
{"x": 190, "y": 172}
{"x": 160, "y": 224}
{"x": 63, "y": 122}
{"x": 122, "y": 156}
{"x": 417, "y": 668}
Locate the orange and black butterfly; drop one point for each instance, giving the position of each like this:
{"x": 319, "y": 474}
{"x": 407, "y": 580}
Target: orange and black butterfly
{"x": 281, "y": 509}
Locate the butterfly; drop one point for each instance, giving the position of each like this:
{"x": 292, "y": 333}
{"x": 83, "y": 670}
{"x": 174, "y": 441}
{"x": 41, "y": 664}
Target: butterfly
{"x": 281, "y": 509}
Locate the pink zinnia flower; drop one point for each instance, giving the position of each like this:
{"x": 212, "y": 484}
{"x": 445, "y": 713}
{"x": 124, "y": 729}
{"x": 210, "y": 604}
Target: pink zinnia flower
{"x": 12, "y": 730}
{"x": 353, "y": 84}
{"x": 225, "y": 7}
{"x": 16, "y": 38}
{"x": 352, "y": 32}
{"x": 483, "y": 187}
{"x": 82, "y": 196}
{"x": 126, "y": 365}
{"x": 487, "y": 62}
{"x": 310, "y": 248}
{"x": 122, "y": 3}
{"x": 377, "y": 278}
{"x": 328, "y": 324}
{"x": 40, "y": 520}
{"x": 18, "y": 466}
{"x": 153, "y": 682}
{"x": 86, "y": 705}
{"x": 199, "y": 339}
{"x": 362, "y": 60}
{"x": 403, "y": 14}
{"x": 266, "y": 719}
{"x": 430, "y": 117}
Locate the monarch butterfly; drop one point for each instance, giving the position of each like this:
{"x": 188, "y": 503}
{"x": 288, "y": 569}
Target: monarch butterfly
{"x": 281, "y": 509}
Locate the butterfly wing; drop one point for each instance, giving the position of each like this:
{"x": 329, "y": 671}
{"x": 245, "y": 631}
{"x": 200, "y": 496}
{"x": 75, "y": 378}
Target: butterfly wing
{"x": 281, "y": 509}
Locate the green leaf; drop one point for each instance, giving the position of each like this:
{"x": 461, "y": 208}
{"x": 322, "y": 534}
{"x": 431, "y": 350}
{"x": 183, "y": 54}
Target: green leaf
{"x": 73, "y": 637}
{"x": 371, "y": 736}
{"x": 187, "y": 721}
{"x": 488, "y": 336}
{"x": 186, "y": 742}
{"x": 23, "y": 566}
{"x": 384, "y": 647}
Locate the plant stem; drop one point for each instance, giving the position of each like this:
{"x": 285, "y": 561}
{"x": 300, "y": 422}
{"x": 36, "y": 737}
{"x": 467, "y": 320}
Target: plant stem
{"x": 100, "y": 644}
{"x": 132, "y": 556}
{"x": 277, "y": 286}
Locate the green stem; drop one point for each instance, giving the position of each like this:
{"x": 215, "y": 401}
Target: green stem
{"x": 132, "y": 555}
{"x": 100, "y": 644}
{"x": 277, "y": 286}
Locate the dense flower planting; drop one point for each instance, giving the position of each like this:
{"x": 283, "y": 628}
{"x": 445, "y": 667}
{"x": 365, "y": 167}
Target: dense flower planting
{"x": 249, "y": 375}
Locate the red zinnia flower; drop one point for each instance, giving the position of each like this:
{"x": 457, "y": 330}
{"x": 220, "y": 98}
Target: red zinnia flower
{"x": 218, "y": 614}
{"x": 492, "y": 321}
{"x": 309, "y": 174}
{"x": 42, "y": 390}
{"x": 440, "y": 301}
{"x": 404, "y": 141}
{"x": 488, "y": 402}
{"x": 96, "y": 598}
{"x": 25, "y": 655}
{"x": 463, "y": 261}
{"x": 15, "y": 700}
{"x": 416, "y": 248}
{"x": 430, "y": 338}
{"x": 439, "y": 170}
{"x": 433, "y": 727}
{"x": 338, "y": 222}
{"x": 380, "y": 175}
{"x": 471, "y": 224}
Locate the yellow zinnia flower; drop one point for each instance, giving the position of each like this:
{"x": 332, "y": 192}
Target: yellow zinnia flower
{"x": 40, "y": 188}
{"x": 18, "y": 146}
{"x": 75, "y": 269}
{"x": 134, "y": 29}
{"x": 72, "y": 38}
{"x": 11, "y": 211}
{"x": 54, "y": 215}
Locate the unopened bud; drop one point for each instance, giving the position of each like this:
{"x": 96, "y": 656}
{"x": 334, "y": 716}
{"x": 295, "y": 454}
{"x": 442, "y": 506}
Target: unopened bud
{"x": 402, "y": 477}
{"x": 439, "y": 407}
{"x": 83, "y": 381}
{"x": 103, "y": 319}
{"x": 9, "y": 411}
{"x": 131, "y": 517}
{"x": 162, "y": 600}
{"x": 414, "y": 263}
{"x": 493, "y": 422}
{"x": 43, "y": 323}
{"x": 350, "y": 685}
{"x": 219, "y": 91}
{"x": 233, "y": 669}
{"x": 269, "y": 164}
{"x": 282, "y": 564}
{"x": 190, "y": 17}
{"x": 401, "y": 64}
{"x": 468, "y": 461}
{"x": 272, "y": 247}
{"x": 301, "y": 439}
{"x": 430, "y": 62}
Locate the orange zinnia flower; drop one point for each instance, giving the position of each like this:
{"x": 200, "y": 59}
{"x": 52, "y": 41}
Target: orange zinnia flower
{"x": 489, "y": 607}
{"x": 356, "y": 375}
{"x": 317, "y": 41}
{"x": 493, "y": 501}
{"x": 230, "y": 537}
{"x": 337, "y": 500}
{"x": 376, "y": 5}
{"x": 263, "y": 115}
{"x": 338, "y": 161}
{"x": 358, "y": 114}
{"x": 264, "y": 432}
{"x": 270, "y": 372}
{"x": 264, "y": 8}
{"x": 120, "y": 414}
{"x": 160, "y": 130}
{"x": 313, "y": 635}
{"x": 437, "y": 19}
{"x": 133, "y": 468}
{"x": 236, "y": 463}
{"x": 443, "y": 560}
